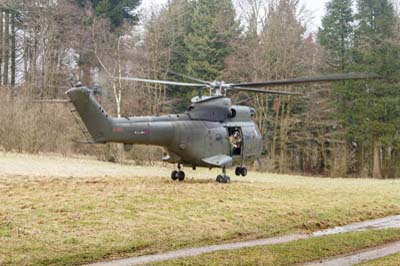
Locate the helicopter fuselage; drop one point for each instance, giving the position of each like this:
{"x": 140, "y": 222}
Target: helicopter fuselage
{"x": 202, "y": 136}
{"x": 188, "y": 141}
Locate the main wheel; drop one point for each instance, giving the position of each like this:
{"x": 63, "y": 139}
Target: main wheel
{"x": 244, "y": 171}
{"x": 238, "y": 171}
{"x": 220, "y": 178}
{"x": 226, "y": 179}
{"x": 174, "y": 175}
{"x": 181, "y": 176}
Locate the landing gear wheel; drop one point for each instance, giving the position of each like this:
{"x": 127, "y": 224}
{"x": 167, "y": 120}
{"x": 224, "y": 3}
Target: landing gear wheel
{"x": 238, "y": 171}
{"x": 244, "y": 171}
{"x": 223, "y": 179}
{"x": 226, "y": 180}
{"x": 174, "y": 175}
{"x": 241, "y": 171}
{"x": 181, "y": 176}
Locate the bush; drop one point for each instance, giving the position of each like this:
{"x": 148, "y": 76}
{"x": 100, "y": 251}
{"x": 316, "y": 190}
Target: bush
{"x": 31, "y": 127}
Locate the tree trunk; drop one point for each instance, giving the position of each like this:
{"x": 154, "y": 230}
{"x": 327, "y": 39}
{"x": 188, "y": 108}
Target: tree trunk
{"x": 282, "y": 137}
{"x": 1, "y": 45}
{"x": 324, "y": 150}
{"x": 6, "y": 47}
{"x": 26, "y": 55}
{"x": 275, "y": 133}
{"x": 377, "y": 172}
{"x": 13, "y": 48}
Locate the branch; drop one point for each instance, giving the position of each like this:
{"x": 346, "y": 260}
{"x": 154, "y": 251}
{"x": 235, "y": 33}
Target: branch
{"x": 95, "y": 51}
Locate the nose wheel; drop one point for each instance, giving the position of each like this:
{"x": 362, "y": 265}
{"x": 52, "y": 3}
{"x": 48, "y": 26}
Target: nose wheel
{"x": 241, "y": 171}
{"x": 223, "y": 178}
{"x": 178, "y": 175}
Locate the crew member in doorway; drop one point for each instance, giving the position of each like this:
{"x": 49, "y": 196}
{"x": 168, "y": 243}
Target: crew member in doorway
{"x": 236, "y": 140}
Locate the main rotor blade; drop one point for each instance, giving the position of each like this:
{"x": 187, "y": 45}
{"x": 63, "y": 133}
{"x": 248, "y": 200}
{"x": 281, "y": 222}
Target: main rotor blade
{"x": 188, "y": 77}
{"x": 164, "y": 82}
{"x": 304, "y": 80}
{"x": 265, "y": 91}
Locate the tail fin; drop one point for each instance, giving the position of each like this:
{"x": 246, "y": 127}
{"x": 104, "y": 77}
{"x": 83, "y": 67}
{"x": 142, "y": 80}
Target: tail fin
{"x": 96, "y": 120}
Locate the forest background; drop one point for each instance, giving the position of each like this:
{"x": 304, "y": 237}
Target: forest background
{"x": 337, "y": 130}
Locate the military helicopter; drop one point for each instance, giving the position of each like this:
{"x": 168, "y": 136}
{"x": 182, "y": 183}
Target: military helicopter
{"x": 211, "y": 133}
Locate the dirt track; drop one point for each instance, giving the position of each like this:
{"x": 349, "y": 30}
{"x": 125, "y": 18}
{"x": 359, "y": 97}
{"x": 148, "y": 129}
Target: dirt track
{"x": 366, "y": 255}
{"x": 361, "y": 256}
{"x": 198, "y": 251}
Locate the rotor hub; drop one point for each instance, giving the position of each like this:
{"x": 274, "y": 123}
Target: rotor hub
{"x": 219, "y": 87}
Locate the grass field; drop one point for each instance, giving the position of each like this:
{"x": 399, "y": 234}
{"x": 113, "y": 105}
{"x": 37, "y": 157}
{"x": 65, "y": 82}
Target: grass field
{"x": 62, "y": 211}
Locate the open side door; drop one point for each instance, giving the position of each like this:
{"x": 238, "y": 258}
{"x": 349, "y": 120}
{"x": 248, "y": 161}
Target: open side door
{"x": 236, "y": 141}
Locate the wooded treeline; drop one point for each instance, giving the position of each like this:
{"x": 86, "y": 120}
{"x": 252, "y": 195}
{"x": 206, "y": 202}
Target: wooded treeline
{"x": 342, "y": 129}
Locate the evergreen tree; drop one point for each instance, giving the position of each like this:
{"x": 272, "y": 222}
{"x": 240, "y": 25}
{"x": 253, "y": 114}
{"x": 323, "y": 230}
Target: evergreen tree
{"x": 198, "y": 36}
{"x": 176, "y": 19}
{"x": 337, "y": 32}
{"x": 372, "y": 111}
{"x": 165, "y": 46}
{"x": 336, "y": 37}
{"x": 213, "y": 28}
{"x": 116, "y": 11}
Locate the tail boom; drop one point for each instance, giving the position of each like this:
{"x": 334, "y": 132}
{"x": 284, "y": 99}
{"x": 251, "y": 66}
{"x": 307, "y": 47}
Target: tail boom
{"x": 104, "y": 128}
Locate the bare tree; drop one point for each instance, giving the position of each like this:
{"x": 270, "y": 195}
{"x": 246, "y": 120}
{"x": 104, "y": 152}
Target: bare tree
{"x": 1, "y": 44}
{"x": 114, "y": 71}
{"x": 6, "y": 49}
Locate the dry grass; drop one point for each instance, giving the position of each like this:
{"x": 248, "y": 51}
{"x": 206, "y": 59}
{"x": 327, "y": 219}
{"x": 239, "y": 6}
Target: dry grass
{"x": 62, "y": 215}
